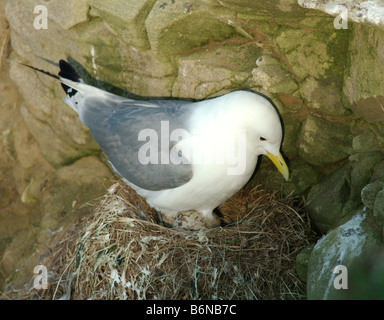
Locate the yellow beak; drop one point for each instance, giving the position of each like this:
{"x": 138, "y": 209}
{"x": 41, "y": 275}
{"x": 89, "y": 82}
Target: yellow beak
{"x": 280, "y": 164}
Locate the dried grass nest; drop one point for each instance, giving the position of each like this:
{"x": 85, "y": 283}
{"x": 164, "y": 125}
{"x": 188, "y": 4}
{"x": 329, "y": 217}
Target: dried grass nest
{"x": 121, "y": 252}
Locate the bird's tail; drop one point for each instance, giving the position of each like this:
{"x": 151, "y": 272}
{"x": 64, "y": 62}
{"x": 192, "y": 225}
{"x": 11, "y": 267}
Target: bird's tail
{"x": 72, "y": 83}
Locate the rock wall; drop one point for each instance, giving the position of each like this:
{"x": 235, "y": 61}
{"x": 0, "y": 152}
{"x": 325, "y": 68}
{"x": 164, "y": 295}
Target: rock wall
{"x": 326, "y": 81}
{"x": 347, "y": 203}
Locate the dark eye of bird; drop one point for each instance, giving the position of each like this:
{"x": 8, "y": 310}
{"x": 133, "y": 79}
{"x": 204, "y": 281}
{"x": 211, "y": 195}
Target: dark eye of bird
{"x": 262, "y": 139}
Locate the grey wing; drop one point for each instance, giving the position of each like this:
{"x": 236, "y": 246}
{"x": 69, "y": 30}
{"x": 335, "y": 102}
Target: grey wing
{"x": 116, "y": 126}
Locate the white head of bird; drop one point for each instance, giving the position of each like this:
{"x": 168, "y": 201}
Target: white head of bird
{"x": 259, "y": 117}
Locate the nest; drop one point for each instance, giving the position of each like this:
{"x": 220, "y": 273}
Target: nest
{"x": 121, "y": 252}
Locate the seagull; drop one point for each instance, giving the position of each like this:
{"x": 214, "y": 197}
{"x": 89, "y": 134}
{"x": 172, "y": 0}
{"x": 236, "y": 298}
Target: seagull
{"x": 180, "y": 155}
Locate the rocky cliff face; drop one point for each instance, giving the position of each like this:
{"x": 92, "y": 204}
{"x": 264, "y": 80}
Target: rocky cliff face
{"x": 324, "y": 70}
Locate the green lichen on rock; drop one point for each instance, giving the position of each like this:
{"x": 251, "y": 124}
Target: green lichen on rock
{"x": 323, "y": 142}
{"x": 68, "y": 13}
{"x": 89, "y": 173}
{"x": 287, "y": 8}
{"x": 368, "y": 136}
{"x": 27, "y": 197}
{"x": 337, "y": 196}
{"x": 308, "y": 53}
{"x": 324, "y": 97}
{"x": 292, "y": 128}
{"x": 172, "y": 26}
{"x": 302, "y": 262}
{"x": 365, "y": 56}
{"x": 56, "y": 151}
{"x": 272, "y": 76}
{"x": 6, "y": 137}
{"x": 363, "y": 165}
{"x": 378, "y": 206}
{"x": 127, "y": 19}
{"x": 366, "y": 278}
{"x": 327, "y": 198}
{"x": 63, "y": 195}
{"x": 214, "y": 69}
{"x": 369, "y": 193}
{"x": 372, "y": 196}
{"x": 302, "y": 177}
{"x": 341, "y": 246}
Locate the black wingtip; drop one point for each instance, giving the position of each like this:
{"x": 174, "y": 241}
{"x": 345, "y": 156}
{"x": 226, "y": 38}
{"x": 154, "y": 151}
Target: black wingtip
{"x": 42, "y": 71}
{"x": 68, "y": 72}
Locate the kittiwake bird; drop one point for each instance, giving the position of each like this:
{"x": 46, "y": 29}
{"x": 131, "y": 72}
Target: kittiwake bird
{"x": 182, "y": 156}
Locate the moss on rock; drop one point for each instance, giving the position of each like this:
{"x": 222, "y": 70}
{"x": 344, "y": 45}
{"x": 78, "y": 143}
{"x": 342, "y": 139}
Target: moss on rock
{"x": 322, "y": 142}
{"x": 172, "y": 25}
{"x": 341, "y": 246}
{"x": 127, "y": 19}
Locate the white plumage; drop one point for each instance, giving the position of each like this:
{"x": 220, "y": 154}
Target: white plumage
{"x": 217, "y": 152}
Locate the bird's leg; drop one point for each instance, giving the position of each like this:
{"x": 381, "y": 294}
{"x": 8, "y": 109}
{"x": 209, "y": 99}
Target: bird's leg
{"x": 218, "y": 213}
{"x": 212, "y": 220}
{"x": 159, "y": 218}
